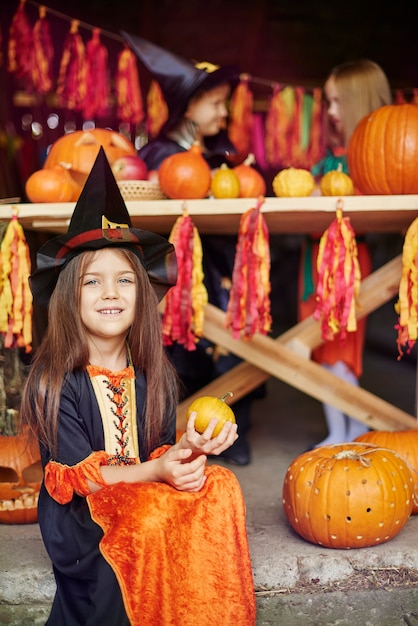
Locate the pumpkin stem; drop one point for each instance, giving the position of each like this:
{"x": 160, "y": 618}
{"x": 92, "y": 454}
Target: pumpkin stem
{"x": 228, "y": 393}
{"x": 340, "y": 167}
{"x": 250, "y": 160}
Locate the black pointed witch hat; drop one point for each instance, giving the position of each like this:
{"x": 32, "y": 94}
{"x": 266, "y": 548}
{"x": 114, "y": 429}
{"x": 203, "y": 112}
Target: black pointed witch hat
{"x": 178, "y": 78}
{"x": 101, "y": 220}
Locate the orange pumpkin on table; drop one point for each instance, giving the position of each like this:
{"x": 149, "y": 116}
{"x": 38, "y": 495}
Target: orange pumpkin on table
{"x": 185, "y": 175}
{"x": 251, "y": 182}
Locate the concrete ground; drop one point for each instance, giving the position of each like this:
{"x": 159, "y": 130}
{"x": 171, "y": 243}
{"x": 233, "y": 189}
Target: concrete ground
{"x": 297, "y": 583}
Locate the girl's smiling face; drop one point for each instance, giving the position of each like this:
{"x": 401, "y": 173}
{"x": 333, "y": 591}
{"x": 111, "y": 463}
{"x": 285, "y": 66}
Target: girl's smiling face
{"x": 208, "y": 110}
{"x": 108, "y": 295}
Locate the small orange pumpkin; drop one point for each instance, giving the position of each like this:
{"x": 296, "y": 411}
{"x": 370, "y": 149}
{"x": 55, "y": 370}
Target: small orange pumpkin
{"x": 251, "y": 182}
{"x": 225, "y": 183}
{"x": 81, "y": 148}
{"x": 383, "y": 151}
{"x": 20, "y": 480}
{"x": 336, "y": 183}
{"x": 52, "y": 185}
{"x": 351, "y": 495}
{"x": 185, "y": 175}
{"x": 209, "y": 407}
{"x": 404, "y": 442}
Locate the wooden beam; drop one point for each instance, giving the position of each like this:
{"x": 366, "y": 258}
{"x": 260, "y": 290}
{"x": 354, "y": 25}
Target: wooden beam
{"x": 310, "y": 378}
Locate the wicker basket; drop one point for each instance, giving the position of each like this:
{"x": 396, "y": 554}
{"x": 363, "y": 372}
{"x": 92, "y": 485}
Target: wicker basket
{"x": 141, "y": 190}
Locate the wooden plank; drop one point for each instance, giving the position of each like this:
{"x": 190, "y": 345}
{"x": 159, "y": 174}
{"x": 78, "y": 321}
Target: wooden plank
{"x": 376, "y": 289}
{"x": 278, "y": 360}
{"x": 221, "y": 216}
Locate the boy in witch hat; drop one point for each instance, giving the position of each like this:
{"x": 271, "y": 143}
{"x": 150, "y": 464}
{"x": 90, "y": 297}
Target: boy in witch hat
{"x": 130, "y": 519}
{"x": 197, "y": 98}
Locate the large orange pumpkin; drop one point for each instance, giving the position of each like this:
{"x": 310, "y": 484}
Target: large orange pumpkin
{"x": 382, "y": 153}
{"x": 80, "y": 149}
{"x": 185, "y": 175}
{"x": 405, "y": 443}
{"x": 20, "y": 480}
{"x": 351, "y": 495}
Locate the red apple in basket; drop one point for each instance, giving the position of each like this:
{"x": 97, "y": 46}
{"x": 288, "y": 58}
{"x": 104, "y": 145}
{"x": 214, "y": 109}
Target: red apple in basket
{"x": 130, "y": 167}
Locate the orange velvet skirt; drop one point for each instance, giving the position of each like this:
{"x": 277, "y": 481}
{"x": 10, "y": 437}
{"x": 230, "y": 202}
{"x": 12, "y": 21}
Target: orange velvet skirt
{"x": 181, "y": 559}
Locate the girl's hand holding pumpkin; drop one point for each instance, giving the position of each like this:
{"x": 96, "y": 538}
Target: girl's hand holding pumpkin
{"x": 177, "y": 468}
{"x": 205, "y": 443}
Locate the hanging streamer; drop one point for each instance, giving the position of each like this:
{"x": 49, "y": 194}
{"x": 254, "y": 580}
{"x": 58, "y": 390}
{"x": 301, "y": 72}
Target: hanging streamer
{"x": 185, "y": 302}
{"x": 71, "y": 89}
{"x": 407, "y": 304}
{"x": 128, "y": 89}
{"x": 241, "y": 118}
{"x": 43, "y": 54}
{"x": 20, "y": 45}
{"x": 339, "y": 279}
{"x": 96, "y": 102}
{"x": 157, "y": 109}
{"x": 249, "y": 304}
{"x": 15, "y": 294}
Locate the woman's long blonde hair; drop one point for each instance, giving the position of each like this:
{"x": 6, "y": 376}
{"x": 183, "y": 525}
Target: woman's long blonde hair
{"x": 64, "y": 349}
{"x": 362, "y": 87}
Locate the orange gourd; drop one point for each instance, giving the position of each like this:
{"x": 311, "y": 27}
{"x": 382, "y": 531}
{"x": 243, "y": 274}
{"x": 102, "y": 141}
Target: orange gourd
{"x": 185, "y": 175}
{"x": 350, "y": 495}
{"x": 404, "y": 442}
{"x": 251, "y": 182}
{"x": 52, "y": 185}
{"x": 382, "y": 153}
{"x": 209, "y": 407}
{"x": 336, "y": 183}
{"x": 20, "y": 480}
{"x": 293, "y": 182}
{"x": 81, "y": 148}
{"x": 225, "y": 183}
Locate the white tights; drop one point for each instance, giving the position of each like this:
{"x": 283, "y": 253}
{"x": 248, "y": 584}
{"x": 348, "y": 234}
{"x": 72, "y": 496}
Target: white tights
{"x": 341, "y": 427}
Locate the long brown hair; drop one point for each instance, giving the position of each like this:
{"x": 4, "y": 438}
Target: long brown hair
{"x": 64, "y": 349}
{"x": 362, "y": 87}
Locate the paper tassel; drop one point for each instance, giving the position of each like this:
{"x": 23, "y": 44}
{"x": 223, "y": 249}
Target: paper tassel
{"x": 295, "y": 131}
{"x": 241, "y": 118}
{"x": 71, "y": 89}
{"x": 249, "y": 306}
{"x": 278, "y": 126}
{"x": 316, "y": 149}
{"x": 128, "y": 89}
{"x": 20, "y": 58}
{"x": 339, "y": 279}
{"x": 15, "y": 294}
{"x": 43, "y": 54}
{"x": 157, "y": 110}
{"x": 96, "y": 103}
{"x": 407, "y": 304}
{"x": 185, "y": 302}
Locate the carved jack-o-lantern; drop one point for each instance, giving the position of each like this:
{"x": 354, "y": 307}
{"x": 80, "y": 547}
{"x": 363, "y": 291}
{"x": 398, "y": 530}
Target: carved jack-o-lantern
{"x": 20, "y": 480}
{"x": 80, "y": 149}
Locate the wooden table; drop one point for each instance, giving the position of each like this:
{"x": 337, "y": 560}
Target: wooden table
{"x": 288, "y": 356}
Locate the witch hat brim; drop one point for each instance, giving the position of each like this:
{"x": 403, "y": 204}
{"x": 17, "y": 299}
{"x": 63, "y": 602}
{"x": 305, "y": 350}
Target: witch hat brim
{"x": 178, "y": 78}
{"x": 101, "y": 220}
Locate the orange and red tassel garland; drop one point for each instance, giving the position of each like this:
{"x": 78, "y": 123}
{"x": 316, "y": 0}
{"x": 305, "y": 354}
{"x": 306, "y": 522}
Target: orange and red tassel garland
{"x": 316, "y": 147}
{"x": 130, "y": 107}
{"x": 407, "y": 304}
{"x": 249, "y": 308}
{"x": 20, "y": 58}
{"x": 339, "y": 279}
{"x": 71, "y": 89}
{"x": 15, "y": 294}
{"x": 96, "y": 103}
{"x": 241, "y": 118}
{"x": 43, "y": 54}
{"x": 184, "y": 303}
{"x": 157, "y": 109}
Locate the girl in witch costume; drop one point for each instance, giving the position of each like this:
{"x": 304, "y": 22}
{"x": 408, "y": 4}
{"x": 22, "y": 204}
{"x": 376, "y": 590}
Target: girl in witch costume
{"x": 139, "y": 530}
{"x": 352, "y": 90}
{"x": 196, "y": 97}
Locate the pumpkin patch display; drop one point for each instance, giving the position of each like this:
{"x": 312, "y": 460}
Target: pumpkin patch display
{"x": 225, "y": 183}
{"x": 382, "y": 153}
{"x": 405, "y": 443}
{"x": 209, "y": 407}
{"x": 336, "y": 183}
{"x": 293, "y": 182}
{"x": 185, "y": 175}
{"x": 54, "y": 184}
{"x": 251, "y": 182}
{"x": 20, "y": 480}
{"x": 81, "y": 148}
{"x": 350, "y": 495}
